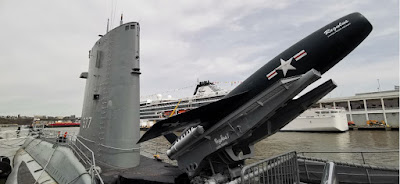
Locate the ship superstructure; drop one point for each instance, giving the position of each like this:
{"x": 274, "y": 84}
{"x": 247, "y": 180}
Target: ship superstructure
{"x": 160, "y": 109}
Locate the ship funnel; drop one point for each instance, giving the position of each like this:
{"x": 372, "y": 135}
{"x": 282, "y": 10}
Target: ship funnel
{"x": 110, "y": 116}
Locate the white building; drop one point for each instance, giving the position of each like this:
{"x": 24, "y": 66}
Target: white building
{"x": 380, "y": 106}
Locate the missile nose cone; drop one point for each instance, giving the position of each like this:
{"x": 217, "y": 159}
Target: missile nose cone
{"x": 342, "y": 37}
{"x": 355, "y": 28}
{"x": 358, "y": 29}
{"x": 362, "y": 20}
{"x": 361, "y": 24}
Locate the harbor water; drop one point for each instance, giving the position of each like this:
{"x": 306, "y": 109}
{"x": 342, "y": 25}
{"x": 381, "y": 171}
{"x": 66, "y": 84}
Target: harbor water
{"x": 281, "y": 142}
{"x": 350, "y": 141}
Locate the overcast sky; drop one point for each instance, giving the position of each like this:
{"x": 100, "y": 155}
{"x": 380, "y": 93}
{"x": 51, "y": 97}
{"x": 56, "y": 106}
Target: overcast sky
{"x": 44, "y": 45}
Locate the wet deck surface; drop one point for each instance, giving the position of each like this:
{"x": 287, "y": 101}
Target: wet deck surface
{"x": 149, "y": 171}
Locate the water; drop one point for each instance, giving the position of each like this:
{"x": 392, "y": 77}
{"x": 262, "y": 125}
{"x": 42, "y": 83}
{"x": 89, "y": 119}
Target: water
{"x": 282, "y": 142}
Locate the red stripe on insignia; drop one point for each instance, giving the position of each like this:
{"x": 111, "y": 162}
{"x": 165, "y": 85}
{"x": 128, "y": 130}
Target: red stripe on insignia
{"x": 271, "y": 74}
{"x": 299, "y": 55}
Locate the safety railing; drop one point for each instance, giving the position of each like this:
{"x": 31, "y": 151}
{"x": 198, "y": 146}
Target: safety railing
{"x": 81, "y": 151}
{"x": 280, "y": 169}
{"x": 309, "y": 172}
{"x": 361, "y": 153}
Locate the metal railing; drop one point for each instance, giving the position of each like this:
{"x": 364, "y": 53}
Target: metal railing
{"x": 280, "y": 169}
{"x": 309, "y": 173}
{"x": 81, "y": 151}
{"x": 362, "y": 153}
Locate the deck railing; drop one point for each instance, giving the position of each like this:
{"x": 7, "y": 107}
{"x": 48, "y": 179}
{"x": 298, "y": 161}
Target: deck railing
{"x": 81, "y": 151}
{"x": 309, "y": 173}
{"x": 361, "y": 153}
{"x": 280, "y": 169}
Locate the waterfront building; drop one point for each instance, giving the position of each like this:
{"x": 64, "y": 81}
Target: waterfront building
{"x": 379, "y": 106}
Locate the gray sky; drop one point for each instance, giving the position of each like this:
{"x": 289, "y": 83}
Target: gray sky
{"x": 44, "y": 45}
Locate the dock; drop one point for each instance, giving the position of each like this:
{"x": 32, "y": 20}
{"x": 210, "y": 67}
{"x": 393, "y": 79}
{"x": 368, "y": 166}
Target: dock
{"x": 366, "y": 127}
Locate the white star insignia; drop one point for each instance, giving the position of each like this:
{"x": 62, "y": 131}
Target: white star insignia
{"x": 285, "y": 66}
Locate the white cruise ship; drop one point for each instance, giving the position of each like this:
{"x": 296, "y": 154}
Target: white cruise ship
{"x": 319, "y": 120}
{"x": 154, "y": 111}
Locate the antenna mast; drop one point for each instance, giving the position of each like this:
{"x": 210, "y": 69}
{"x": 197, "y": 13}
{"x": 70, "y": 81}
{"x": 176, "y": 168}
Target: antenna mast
{"x": 379, "y": 86}
{"x": 108, "y": 23}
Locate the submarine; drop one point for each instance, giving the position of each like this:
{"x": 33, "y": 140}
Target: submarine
{"x": 216, "y": 139}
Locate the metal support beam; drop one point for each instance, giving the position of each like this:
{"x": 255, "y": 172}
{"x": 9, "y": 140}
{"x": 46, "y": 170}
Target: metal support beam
{"x": 384, "y": 111}
{"x": 366, "y": 110}
{"x": 349, "y": 107}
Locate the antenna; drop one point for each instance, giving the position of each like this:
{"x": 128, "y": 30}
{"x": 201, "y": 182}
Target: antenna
{"x": 379, "y": 86}
{"x": 108, "y": 23}
{"x": 122, "y": 16}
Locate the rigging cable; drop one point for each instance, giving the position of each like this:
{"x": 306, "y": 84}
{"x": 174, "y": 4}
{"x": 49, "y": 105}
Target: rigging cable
{"x": 44, "y": 168}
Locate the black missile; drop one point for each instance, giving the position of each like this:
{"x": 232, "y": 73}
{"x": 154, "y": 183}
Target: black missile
{"x": 319, "y": 51}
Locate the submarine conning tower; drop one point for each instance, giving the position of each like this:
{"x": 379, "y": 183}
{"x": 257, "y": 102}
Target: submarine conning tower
{"x": 110, "y": 124}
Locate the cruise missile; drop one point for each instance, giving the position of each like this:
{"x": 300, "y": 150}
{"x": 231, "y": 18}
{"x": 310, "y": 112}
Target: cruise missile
{"x": 219, "y": 136}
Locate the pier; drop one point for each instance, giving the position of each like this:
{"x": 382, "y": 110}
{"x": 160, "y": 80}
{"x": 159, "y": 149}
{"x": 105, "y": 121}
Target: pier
{"x": 366, "y": 127}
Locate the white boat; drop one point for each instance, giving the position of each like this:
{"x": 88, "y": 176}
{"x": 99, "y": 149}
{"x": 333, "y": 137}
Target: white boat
{"x": 319, "y": 120}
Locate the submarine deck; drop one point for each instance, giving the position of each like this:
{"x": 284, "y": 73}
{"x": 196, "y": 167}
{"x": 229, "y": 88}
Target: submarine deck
{"x": 148, "y": 171}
